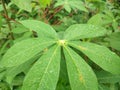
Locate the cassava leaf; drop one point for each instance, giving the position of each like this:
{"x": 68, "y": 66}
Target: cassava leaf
{"x": 42, "y": 29}
{"x": 114, "y": 40}
{"x": 23, "y": 4}
{"x": 63, "y": 82}
{"x": 80, "y": 31}
{"x": 18, "y": 80}
{"x": 80, "y": 74}
{"x": 1, "y": 8}
{"x": 44, "y": 3}
{"x": 103, "y": 87}
{"x": 2, "y": 74}
{"x": 105, "y": 77}
{"x": 14, "y": 71}
{"x": 45, "y": 72}
{"x": 23, "y": 51}
{"x": 96, "y": 20}
{"x": 4, "y": 86}
{"x": 68, "y": 5}
{"x": 100, "y": 55}
{"x": 19, "y": 29}
{"x": 0, "y": 21}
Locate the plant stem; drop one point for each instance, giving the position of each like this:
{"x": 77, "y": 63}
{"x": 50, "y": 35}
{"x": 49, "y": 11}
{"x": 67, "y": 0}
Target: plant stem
{"x": 56, "y": 11}
{"x": 7, "y": 19}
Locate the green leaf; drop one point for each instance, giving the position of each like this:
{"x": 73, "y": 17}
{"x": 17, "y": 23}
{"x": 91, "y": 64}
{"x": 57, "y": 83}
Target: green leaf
{"x": 93, "y": 0}
{"x": 1, "y": 8}
{"x": 4, "y": 86}
{"x": 44, "y": 3}
{"x": 71, "y": 4}
{"x": 77, "y": 4}
{"x": 103, "y": 87}
{"x": 114, "y": 40}
{"x": 0, "y": 21}
{"x": 115, "y": 25}
{"x": 19, "y": 29}
{"x": 18, "y": 80}
{"x": 80, "y": 74}
{"x": 63, "y": 82}
{"x": 45, "y": 72}
{"x": 24, "y": 36}
{"x": 42, "y": 29}
{"x": 105, "y": 77}
{"x": 23, "y": 4}
{"x": 108, "y": 17}
{"x": 67, "y": 8}
{"x": 100, "y": 55}
{"x": 109, "y": 86}
{"x": 13, "y": 71}
{"x": 23, "y": 51}
{"x": 80, "y": 31}
{"x": 96, "y": 20}
{"x": 2, "y": 74}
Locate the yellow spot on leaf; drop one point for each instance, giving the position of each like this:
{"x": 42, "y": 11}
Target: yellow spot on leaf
{"x": 82, "y": 48}
{"x": 82, "y": 79}
{"x": 45, "y": 50}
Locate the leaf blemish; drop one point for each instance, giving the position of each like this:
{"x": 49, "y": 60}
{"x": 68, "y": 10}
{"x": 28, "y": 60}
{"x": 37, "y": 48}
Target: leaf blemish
{"x": 81, "y": 79}
{"x": 82, "y": 48}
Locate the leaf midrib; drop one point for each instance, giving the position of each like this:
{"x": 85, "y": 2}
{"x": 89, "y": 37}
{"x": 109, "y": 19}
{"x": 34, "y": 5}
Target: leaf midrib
{"x": 29, "y": 49}
{"x": 75, "y": 65}
{"x": 72, "y": 44}
{"x": 41, "y": 79}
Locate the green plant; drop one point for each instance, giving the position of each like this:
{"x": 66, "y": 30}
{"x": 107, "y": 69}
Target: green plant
{"x": 39, "y": 58}
{"x": 71, "y": 4}
{"x": 81, "y": 60}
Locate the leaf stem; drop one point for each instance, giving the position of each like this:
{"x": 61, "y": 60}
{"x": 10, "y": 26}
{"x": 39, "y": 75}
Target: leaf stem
{"x": 7, "y": 19}
{"x": 56, "y": 11}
